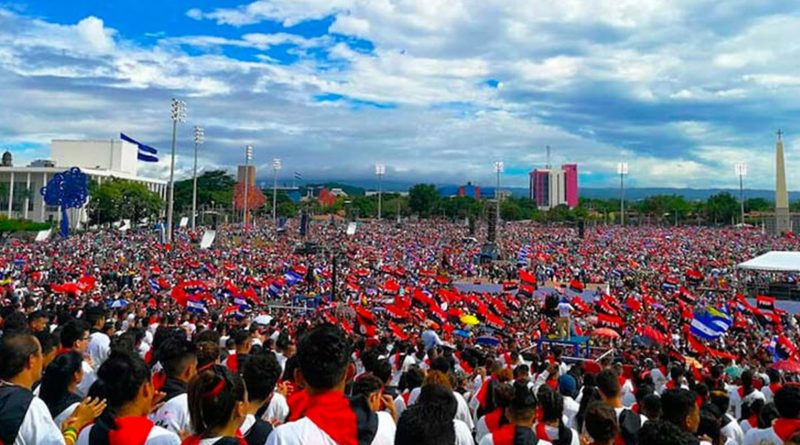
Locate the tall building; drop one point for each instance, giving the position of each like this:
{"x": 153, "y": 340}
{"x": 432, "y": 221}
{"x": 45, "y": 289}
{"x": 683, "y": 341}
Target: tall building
{"x": 470, "y": 190}
{"x": 782, "y": 223}
{"x": 247, "y": 173}
{"x": 552, "y": 187}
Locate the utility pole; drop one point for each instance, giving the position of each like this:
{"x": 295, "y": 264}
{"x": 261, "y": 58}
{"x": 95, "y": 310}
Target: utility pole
{"x": 622, "y": 170}
{"x": 198, "y": 139}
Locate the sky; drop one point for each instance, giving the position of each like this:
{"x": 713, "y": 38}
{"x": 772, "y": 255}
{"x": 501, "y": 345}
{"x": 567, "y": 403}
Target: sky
{"x": 437, "y": 90}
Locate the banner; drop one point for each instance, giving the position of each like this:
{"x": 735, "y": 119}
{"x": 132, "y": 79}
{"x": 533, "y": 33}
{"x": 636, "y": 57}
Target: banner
{"x": 208, "y": 239}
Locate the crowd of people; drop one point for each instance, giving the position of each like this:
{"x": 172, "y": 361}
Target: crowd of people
{"x": 396, "y": 334}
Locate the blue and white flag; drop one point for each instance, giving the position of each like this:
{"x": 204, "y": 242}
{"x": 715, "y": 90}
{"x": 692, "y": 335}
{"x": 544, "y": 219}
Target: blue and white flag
{"x": 292, "y": 277}
{"x": 522, "y": 258}
{"x": 154, "y": 286}
{"x": 708, "y": 326}
{"x": 198, "y": 307}
{"x": 146, "y": 152}
{"x": 298, "y": 176}
{"x": 275, "y": 288}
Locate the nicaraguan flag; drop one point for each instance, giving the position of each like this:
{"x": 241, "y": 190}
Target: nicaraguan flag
{"x": 707, "y": 326}
{"x": 522, "y": 258}
{"x": 198, "y": 307}
{"x": 154, "y": 286}
{"x": 298, "y": 176}
{"x": 292, "y": 277}
{"x": 146, "y": 152}
{"x": 275, "y": 288}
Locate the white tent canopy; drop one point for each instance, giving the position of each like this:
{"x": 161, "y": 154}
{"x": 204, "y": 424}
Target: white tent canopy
{"x": 774, "y": 262}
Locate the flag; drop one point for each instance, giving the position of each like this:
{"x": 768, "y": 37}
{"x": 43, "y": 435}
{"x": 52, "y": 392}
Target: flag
{"x": 694, "y": 275}
{"x": 610, "y": 321}
{"x": 522, "y": 257}
{"x": 391, "y": 287}
{"x": 686, "y": 296}
{"x": 146, "y": 153}
{"x": 707, "y": 326}
{"x": 298, "y": 176}
{"x": 196, "y": 306}
{"x": 695, "y": 345}
{"x": 526, "y": 277}
{"x": 292, "y": 277}
{"x": 576, "y": 285}
{"x": 765, "y": 303}
{"x": 781, "y": 348}
{"x": 633, "y": 304}
{"x": 580, "y": 305}
{"x": 526, "y": 290}
{"x": 275, "y": 287}
{"x": 154, "y": 285}
{"x": 742, "y": 305}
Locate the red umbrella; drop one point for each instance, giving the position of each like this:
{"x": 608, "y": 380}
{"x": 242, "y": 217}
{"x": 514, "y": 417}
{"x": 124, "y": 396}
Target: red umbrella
{"x": 605, "y": 332}
{"x": 788, "y": 365}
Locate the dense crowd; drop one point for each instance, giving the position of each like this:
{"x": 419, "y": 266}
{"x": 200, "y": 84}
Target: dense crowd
{"x": 396, "y": 334}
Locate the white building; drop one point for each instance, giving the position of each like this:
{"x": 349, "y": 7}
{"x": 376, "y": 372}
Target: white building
{"x": 99, "y": 159}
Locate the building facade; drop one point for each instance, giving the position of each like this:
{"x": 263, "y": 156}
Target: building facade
{"x": 469, "y": 190}
{"x": 100, "y": 160}
{"x": 552, "y": 187}
{"x": 246, "y": 173}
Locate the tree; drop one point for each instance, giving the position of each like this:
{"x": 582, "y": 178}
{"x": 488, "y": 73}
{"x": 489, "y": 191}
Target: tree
{"x": 721, "y": 207}
{"x": 213, "y": 186}
{"x": 757, "y": 205}
{"x": 422, "y": 199}
{"x": 118, "y": 199}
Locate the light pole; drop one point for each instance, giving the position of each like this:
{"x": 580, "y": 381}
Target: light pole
{"x": 198, "y": 139}
{"x": 248, "y": 155}
{"x": 498, "y": 168}
{"x": 276, "y": 165}
{"x": 380, "y": 170}
{"x": 178, "y": 115}
{"x": 741, "y": 171}
{"x": 622, "y": 170}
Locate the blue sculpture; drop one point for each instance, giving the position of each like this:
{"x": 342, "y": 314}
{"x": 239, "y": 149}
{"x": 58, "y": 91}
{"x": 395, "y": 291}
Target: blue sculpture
{"x": 67, "y": 190}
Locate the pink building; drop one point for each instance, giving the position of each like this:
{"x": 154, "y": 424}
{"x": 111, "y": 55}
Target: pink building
{"x": 540, "y": 188}
{"x": 571, "y": 184}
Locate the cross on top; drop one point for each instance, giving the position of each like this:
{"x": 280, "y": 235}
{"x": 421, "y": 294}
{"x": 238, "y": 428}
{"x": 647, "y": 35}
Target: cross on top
{"x": 780, "y": 133}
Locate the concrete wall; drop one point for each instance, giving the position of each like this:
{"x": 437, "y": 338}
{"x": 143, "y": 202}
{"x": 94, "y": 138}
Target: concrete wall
{"x": 108, "y": 154}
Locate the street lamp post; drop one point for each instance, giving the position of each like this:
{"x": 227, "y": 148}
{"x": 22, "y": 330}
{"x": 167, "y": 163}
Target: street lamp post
{"x": 380, "y": 170}
{"x": 198, "y": 140}
{"x": 178, "y": 115}
{"x": 622, "y": 170}
{"x": 248, "y": 155}
{"x": 741, "y": 171}
{"x": 276, "y": 165}
{"x": 498, "y": 168}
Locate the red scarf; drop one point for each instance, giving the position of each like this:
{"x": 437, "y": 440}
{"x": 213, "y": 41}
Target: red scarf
{"x": 406, "y": 395}
{"x": 774, "y": 387}
{"x": 195, "y": 440}
{"x": 671, "y": 384}
{"x": 331, "y": 412}
{"x": 753, "y": 421}
{"x": 397, "y": 363}
{"x": 298, "y": 402}
{"x": 784, "y": 428}
{"x": 132, "y": 430}
{"x": 504, "y": 435}
{"x": 541, "y": 432}
{"x": 493, "y": 420}
{"x": 232, "y": 363}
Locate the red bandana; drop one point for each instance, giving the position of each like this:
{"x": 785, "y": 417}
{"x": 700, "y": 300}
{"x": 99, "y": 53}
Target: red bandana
{"x": 331, "y": 412}
{"x": 504, "y": 435}
{"x": 784, "y": 428}
{"x": 131, "y": 430}
{"x": 493, "y": 420}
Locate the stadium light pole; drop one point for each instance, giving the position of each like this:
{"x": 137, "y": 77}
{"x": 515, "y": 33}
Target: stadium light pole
{"x": 498, "y": 168}
{"x": 178, "y": 115}
{"x": 276, "y": 165}
{"x": 199, "y": 136}
{"x": 248, "y": 155}
{"x": 741, "y": 171}
{"x": 380, "y": 170}
{"x": 622, "y": 170}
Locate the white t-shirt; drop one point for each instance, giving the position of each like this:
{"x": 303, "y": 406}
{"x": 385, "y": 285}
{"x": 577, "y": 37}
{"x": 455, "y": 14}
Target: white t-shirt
{"x": 99, "y": 348}
{"x": 733, "y": 431}
{"x": 38, "y": 427}
{"x": 489, "y": 440}
{"x": 157, "y": 436}
{"x": 174, "y": 415}
{"x": 757, "y": 436}
{"x": 305, "y": 432}
{"x": 89, "y": 378}
{"x": 564, "y": 309}
{"x": 737, "y": 401}
{"x": 277, "y": 409}
{"x": 552, "y": 433}
{"x": 463, "y": 433}
{"x": 64, "y": 415}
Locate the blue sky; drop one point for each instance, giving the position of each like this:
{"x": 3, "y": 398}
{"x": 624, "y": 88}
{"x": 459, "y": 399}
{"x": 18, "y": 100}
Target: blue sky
{"x": 435, "y": 89}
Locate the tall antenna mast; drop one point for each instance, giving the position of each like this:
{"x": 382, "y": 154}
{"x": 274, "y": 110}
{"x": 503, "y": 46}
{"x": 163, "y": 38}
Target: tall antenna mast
{"x": 548, "y": 157}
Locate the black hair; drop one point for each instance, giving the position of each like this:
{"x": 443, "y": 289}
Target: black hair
{"x": 15, "y": 350}
{"x": 37, "y": 314}
{"x": 323, "y": 356}
{"x": 175, "y": 354}
{"x": 366, "y": 384}
{"x": 57, "y": 378}
{"x": 413, "y": 378}
{"x": 521, "y": 370}
{"x": 643, "y": 391}
{"x": 120, "y": 378}
{"x": 677, "y": 404}
{"x": 523, "y": 405}
{"x": 240, "y": 337}
{"x": 212, "y": 398}
{"x": 590, "y": 394}
{"x": 503, "y": 395}
{"x": 650, "y": 406}
{"x": 430, "y": 420}
{"x": 608, "y": 383}
{"x": 126, "y": 342}
{"x": 289, "y": 367}
{"x": 767, "y": 415}
{"x": 441, "y": 364}
{"x": 72, "y": 332}
{"x": 47, "y": 341}
{"x": 95, "y": 313}
{"x": 551, "y": 402}
{"x": 721, "y": 399}
{"x": 710, "y": 423}
{"x": 207, "y": 335}
{"x": 383, "y": 371}
{"x": 752, "y": 408}
{"x": 601, "y": 422}
{"x": 787, "y": 400}
{"x": 662, "y": 432}
{"x": 261, "y": 374}
{"x": 207, "y": 353}
{"x": 16, "y": 323}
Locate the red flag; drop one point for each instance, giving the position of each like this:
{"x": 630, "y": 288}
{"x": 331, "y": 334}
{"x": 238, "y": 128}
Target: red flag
{"x": 695, "y": 345}
{"x": 633, "y": 304}
{"x": 526, "y": 290}
{"x": 765, "y": 303}
{"x": 610, "y": 321}
{"x": 526, "y": 277}
{"x": 720, "y": 354}
{"x": 576, "y": 285}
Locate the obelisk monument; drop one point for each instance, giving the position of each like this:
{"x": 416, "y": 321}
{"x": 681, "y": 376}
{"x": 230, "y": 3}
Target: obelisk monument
{"x": 782, "y": 224}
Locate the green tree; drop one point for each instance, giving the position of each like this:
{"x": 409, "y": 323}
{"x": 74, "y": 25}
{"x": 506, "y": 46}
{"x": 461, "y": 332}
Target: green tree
{"x": 422, "y": 199}
{"x": 213, "y": 186}
{"x": 757, "y": 205}
{"x": 118, "y": 199}
{"x": 721, "y": 207}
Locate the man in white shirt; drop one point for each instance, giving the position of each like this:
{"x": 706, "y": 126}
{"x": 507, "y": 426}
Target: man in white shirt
{"x": 564, "y": 311}
{"x": 787, "y": 401}
{"x": 75, "y": 336}
{"x": 324, "y": 366}
{"x": 26, "y": 419}
{"x": 99, "y": 342}
{"x": 178, "y": 358}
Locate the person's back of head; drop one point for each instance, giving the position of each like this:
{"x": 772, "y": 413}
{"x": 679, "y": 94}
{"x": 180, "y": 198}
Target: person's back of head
{"x": 49, "y": 344}
{"x": 787, "y": 400}
{"x": 679, "y": 406}
{"x": 662, "y": 432}
{"x": 16, "y": 323}
{"x": 371, "y": 388}
{"x": 324, "y": 357}
{"x": 601, "y": 423}
{"x": 124, "y": 379}
{"x": 752, "y": 408}
{"x": 767, "y": 415}
{"x": 383, "y": 371}
{"x": 20, "y": 354}
{"x": 441, "y": 364}
{"x": 261, "y": 374}
{"x": 551, "y": 404}
{"x": 721, "y": 399}
{"x": 650, "y": 406}
{"x": 438, "y": 378}
{"x": 710, "y": 423}
{"x": 608, "y": 384}
{"x": 413, "y": 378}
{"x": 216, "y": 398}
{"x": 522, "y": 372}
{"x": 207, "y": 354}
{"x": 178, "y": 357}
{"x": 58, "y": 376}
{"x": 522, "y": 408}
{"x": 746, "y": 378}
{"x": 430, "y": 420}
